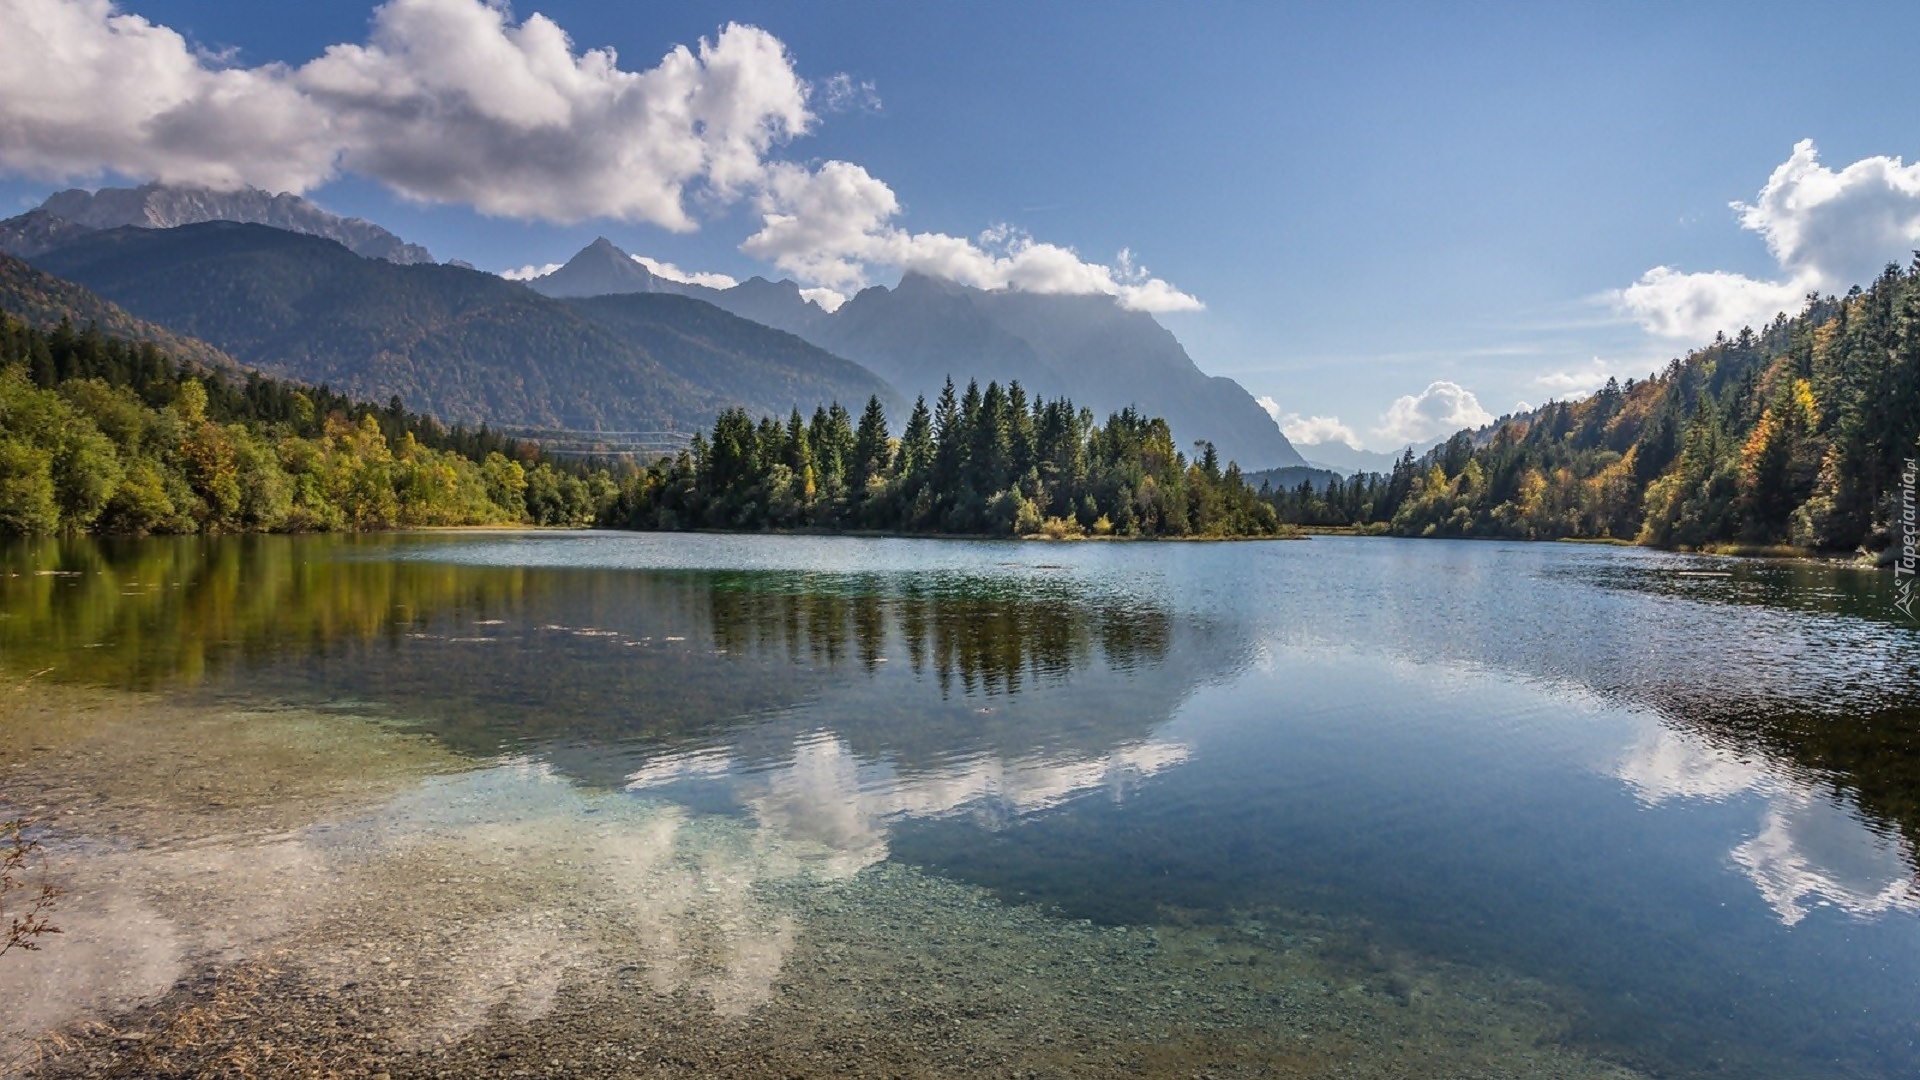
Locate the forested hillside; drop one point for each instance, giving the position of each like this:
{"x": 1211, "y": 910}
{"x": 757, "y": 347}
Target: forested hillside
{"x": 43, "y": 302}
{"x": 101, "y": 435}
{"x": 1794, "y": 435}
{"x": 980, "y": 462}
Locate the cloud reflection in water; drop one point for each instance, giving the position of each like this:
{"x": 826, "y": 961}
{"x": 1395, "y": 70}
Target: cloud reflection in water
{"x": 827, "y": 795}
{"x": 1811, "y": 848}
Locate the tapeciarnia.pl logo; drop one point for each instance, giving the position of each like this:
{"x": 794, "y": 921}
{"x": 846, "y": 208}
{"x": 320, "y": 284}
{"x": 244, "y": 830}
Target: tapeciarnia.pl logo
{"x": 1904, "y": 567}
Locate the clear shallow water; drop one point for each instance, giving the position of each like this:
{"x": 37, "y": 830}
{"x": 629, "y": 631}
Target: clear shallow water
{"x": 1679, "y": 796}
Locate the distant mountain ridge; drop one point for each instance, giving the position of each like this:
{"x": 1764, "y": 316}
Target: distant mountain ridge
{"x": 1347, "y": 460}
{"x": 925, "y": 329}
{"x": 600, "y": 269}
{"x": 68, "y": 214}
{"x": 1289, "y": 477}
{"x": 463, "y": 345}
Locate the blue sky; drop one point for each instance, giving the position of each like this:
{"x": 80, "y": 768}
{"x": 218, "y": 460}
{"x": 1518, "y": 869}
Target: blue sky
{"x": 1396, "y": 216}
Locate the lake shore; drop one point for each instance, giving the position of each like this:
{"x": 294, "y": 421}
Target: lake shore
{"x": 1762, "y": 552}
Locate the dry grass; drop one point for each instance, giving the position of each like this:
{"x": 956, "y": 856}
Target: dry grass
{"x": 23, "y": 904}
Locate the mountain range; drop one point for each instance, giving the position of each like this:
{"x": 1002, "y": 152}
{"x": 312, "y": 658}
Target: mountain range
{"x": 463, "y": 345}
{"x": 70, "y": 214}
{"x": 924, "y": 330}
{"x": 602, "y": 343}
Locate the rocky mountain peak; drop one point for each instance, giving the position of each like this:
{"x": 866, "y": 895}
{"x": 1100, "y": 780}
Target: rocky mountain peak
{"x": 164, "y": 206}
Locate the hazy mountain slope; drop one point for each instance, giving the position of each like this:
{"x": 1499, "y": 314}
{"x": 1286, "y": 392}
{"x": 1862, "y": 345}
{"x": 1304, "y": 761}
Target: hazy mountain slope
{"x": 918, "y": 334}
{"x": 1289, "y": 477}
{"x": 772, "y": 303}
{"x": 1347, "y": 460}
{"x": 158, "y": 206}
{"x": 41, "y": 300}
{"x": 721, "y": 352}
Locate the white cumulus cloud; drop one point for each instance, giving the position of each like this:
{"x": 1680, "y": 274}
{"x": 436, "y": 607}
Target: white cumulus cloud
{"x": 448, "y": 101}
{"x": 529, "y": 272}
{"x": 84, "y": 88}
{"x": 1573, "y": 382}
{"x": 1694, "y": 307}
{"x": 824, "y": 298}
{"x": 1826, "y": 229}
{"x": 1318, "y": 430}
{"x": 1837, "y": 228}
{"x": 832, "y": 225}
{"x": 689, "y": 277}
{"x": 456, "y": 102}
{"x": 1441, "y": 409}
{"x": 1308, "y": 430}
{"x": 658, "y": 267}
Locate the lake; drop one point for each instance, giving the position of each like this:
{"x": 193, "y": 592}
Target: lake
{"x": 614, "y": 804}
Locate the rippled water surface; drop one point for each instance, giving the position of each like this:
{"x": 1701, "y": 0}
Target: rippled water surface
{"x": 1386, "y": 807}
